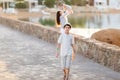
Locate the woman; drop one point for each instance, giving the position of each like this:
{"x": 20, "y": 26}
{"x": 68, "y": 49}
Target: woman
{"x": 61, "y": 16}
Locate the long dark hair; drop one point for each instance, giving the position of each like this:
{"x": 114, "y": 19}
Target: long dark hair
{"x": 58, "y": 17}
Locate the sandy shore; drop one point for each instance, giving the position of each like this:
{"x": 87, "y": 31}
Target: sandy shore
{"x": 21, "y": 15}
{"x": 78, "y": 10}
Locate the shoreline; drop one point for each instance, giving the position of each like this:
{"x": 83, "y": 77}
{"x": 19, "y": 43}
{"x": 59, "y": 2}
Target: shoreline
{"x": 23, "y": 13}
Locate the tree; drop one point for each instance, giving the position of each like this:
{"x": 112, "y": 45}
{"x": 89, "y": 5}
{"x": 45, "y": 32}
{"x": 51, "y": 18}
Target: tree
{"x": 20, "y": 4}
{"x": 67, "y": 1}
{"x": 50, "y": 3}
{"x": 40, "y": 1}
{"x": 78, "y": 2}
{"x": 19, "y": 0}
{"x": 108, "y": 1}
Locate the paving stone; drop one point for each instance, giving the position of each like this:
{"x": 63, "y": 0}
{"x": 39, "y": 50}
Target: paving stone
{"x": 24, "y": 57}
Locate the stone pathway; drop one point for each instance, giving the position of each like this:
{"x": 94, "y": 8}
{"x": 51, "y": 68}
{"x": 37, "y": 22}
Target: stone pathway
{"x": 24, "y": 57}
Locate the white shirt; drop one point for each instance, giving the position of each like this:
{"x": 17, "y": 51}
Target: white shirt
{"x": 66, "y": 41}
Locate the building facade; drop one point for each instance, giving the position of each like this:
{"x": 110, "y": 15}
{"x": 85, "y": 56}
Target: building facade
{"x": 103, "y": 4}
{"x": 8, "y": 6}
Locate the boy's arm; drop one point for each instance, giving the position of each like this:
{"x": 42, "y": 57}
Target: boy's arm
{"x": 58, "y": 50}
{"x": 73, "y": 53}
{"x": 58, "y": 46}
{"x": 73, "y": 48}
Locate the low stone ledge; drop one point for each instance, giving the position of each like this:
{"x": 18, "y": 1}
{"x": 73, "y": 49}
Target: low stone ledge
{"x": 103, "y": 53}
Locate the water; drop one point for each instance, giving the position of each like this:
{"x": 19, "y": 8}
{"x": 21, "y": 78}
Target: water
{"x": 83, "y": 24}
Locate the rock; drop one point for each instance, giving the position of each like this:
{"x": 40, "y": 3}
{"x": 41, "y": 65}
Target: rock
{"x": 111, "y": 36}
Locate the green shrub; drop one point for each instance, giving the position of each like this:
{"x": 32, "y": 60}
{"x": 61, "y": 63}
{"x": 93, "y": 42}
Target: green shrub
{"x": 79, "y": 22}
{"x": 78, "y": 2}
{"x": 67, "y": 2}
{"x": 50, "y": 3}
{"x": 20, "y": 5}
{"x": 48, "y": 22}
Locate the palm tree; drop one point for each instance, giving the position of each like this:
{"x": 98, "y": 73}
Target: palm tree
{"x": 108, "y": 1}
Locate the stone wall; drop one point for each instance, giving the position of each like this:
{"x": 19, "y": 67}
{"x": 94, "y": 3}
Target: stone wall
{"x": 103, "y": 53}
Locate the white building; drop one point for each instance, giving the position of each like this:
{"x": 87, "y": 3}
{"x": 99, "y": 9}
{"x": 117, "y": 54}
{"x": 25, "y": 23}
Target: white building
{"x": 105, "y": 4}
{"x": 8, "y": 9}
{"x": 115, "y": 4}
{"x": 36, "y": 7}
{"x": 12, "y": 10}
{"x": 33, "y": 8}
{"x": 100, "y": 4}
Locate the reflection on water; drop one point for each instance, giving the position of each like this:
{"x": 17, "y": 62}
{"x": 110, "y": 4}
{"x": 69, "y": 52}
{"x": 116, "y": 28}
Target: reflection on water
{"x": 105, "y": 21}
{"x": 46, "y": 22}
{"x": 90, "y": 22}
{"x": 83, "y": 20}
{"x": 96, "y": 21}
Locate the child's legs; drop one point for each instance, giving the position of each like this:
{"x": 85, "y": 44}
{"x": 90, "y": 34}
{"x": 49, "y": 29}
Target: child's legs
{"x": 64, "y": 74}
{"x": 63, "y": 63}
{"x": 68, "y": 64}
{"x": 68, "y": 61}
{"x": 67, "y": 73}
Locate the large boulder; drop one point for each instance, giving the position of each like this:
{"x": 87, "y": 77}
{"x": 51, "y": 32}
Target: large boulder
{"x": 111, "y": 36}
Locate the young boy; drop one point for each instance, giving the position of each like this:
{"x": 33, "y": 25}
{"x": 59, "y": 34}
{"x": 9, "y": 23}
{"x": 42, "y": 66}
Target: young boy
{"x": 66, "y": 46}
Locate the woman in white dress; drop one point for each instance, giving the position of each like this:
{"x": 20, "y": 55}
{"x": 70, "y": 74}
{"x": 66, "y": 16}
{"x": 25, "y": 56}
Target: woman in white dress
{"x": 61, "y": 16}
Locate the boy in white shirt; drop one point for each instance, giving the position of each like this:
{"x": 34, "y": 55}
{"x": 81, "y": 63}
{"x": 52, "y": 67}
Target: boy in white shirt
{"x": 66, "y": 46}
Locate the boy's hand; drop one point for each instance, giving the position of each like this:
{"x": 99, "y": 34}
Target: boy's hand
{"x": 57, "y": 52}
{"x": 57, "y": 55}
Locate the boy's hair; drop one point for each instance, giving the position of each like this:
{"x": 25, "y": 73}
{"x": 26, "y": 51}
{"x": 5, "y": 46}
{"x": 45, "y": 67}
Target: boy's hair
{"x": 67, "y": 25}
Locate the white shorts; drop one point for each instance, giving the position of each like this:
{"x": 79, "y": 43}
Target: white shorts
{"x": 66, "y": 61}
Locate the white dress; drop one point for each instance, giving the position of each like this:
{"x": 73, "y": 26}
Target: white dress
{"x": 64, "y": 19}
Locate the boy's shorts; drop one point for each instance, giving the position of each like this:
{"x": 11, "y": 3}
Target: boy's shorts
{"x": 66, "y": 61}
